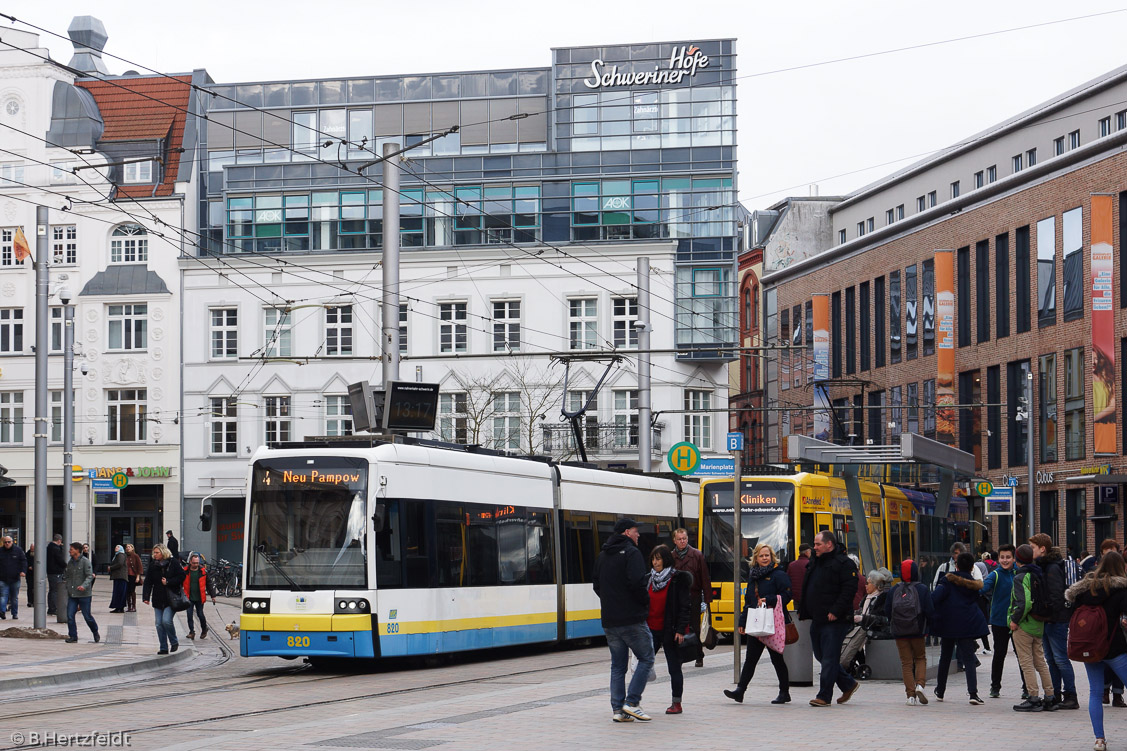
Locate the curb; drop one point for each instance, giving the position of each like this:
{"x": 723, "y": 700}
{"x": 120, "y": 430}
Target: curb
{"x": 65, "y": 677}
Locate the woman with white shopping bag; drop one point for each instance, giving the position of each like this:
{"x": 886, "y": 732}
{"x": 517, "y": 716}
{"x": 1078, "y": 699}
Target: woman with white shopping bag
{"x": 765, "y": 599}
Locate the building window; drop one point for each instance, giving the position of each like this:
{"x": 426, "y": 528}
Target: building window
{"x": 278, "y": 419}
{"x": 583, "y": 323}
{"x": 932, "y": 198}
{"x": 841, "y": 237}
{"x": 126, "y": 414}
{"x": 11, "y": 175}
{"x": 7, "y": 247}
{"x": 453, "y": 423}
{"x": 57, "y": 422}
{"x": 11, "y": 417}
{"x": 1047, "y": 407}
{"x": 962, "y": 282}
{"x": 785, "y": 355}
{"x": 928, "y": 307}
{"x": 991, "y": 173}
{"x": 224, "y": 333}
{"x": 452, "y": 328}
{"x": 137, "y": 173}
{"x": 921, "y": 203}
{"x": 129, "y": 243}
{"x": 1074, "y": 404}
{"x": 1030, "y": 157}
{"x": 625, "y": 310}
{"x": 1072, "y": 237}
{"x": 929, "y": 408}
{"x": 879, "y": 341}
{"x": 1121, "y": 120}
{"x": 911, "y": 313}
{"x": 64, "y": 244}
{"x": 912, "y": 398}
{"x": 994, "y": 417}
{"x": 1015, "y": 396}
{"x": 1002, "y": 284}
{"x": 850, "y": 330}
{"x": 860, "y": 229}
{"x": 870, "y": 224}
{"x": 894, "y": 315}
{"x": 864, "y": 317}
{"x": 955, "y": 189}
{"x": 1074, "y": 140}
{"x": 978, "y": 179}
{"x": 1105, "y": 126}
{"x": 1058, "y": 146}
{"x": 62, "y": 173}
{"x": 11, "y": 331}
{"x": 1022, "y": 278}
{"x": 698, "y": 422}
{"x": 128, "y": 326}
{"x": 338, "y": 331}
{"x": 338, "y": 415}
{"x": 835, "y": 335}
{"x": 1047, "y": 271}
{"x": 506, "y": 420}
{"x": 403, "y": 328}
{"x": 57, "y": 329}
{"x": 890, "y": 216}
{"x": 626, "y": 418}
{"x": 224, "y": 425}
{"x": 277, "y": 327}
{"x": 1015, "y": 162}
{"x": 506, "y": 325}
{"x": 899, "y": 212}
{"x": 982, "y": 289}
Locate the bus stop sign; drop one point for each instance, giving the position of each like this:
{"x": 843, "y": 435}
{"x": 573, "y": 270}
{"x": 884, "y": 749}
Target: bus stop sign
{"x": 683, "y": 458}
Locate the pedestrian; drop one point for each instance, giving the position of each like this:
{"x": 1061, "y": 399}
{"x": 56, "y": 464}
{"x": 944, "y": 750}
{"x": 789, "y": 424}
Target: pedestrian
{"x": 1051, "y": 561}
{"x": 135, "y": 569}
{"x": 196, "y": 589}
{"x": 173, "y": 544}
{"x": 119, "y": 575}
{"x": 1113, "y": 687}
{"x": 1027, "y": 632}
{"x": 796, "y": 572}
{"x": 31, "y": 575}
{"x": 669, "y": 616}
{"x": 997, "y": 591}
{"x": 56, "y": 569}
{"x": 767, "y": 584}
{"x": 688, "y": 558}
{"x": 164, "y": 574}
{"x": 621, "y": 581}
{"x": 909, "y": 611}
{"x": 949, "y": 565}
{"x": 827, "y": 600}
{"x": 79, "y": 577}
{"x": 13, "y": 571}
{"x": 1106, "y": 587}
{"x": 862, "y": 587}
{"x": 958, "y": 622}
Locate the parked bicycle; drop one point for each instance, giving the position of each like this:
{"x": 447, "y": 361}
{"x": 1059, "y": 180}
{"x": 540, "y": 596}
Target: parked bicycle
{"x": 227, "y": 577}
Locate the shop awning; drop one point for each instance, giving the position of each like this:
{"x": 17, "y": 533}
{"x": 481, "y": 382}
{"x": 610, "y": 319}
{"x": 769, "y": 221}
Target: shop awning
{"x": 1108, "y": 479}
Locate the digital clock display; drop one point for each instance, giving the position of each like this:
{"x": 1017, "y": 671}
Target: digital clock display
{"x": 410, "y": 406}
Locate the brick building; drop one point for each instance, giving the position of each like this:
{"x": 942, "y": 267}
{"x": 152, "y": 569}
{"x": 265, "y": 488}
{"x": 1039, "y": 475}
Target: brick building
{"x": 1013, "y": 205}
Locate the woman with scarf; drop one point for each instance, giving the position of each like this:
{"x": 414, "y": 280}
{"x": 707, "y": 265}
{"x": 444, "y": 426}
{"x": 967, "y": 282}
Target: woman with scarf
{"x": 164, "y": 574}
{"x": 766, "y": 583}
{"x": 118, "y": 575}
{"x": 135, "y": 569}
{"x": 669, "y": 615}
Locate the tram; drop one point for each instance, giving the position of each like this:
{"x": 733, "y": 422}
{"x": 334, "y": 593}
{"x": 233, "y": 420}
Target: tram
{"x": 367, "y": 549}
{"x": 785, "y": 511}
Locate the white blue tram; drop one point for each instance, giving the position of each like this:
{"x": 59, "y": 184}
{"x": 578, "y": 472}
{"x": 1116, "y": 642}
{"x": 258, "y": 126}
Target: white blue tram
{"x": 365, "y": 549}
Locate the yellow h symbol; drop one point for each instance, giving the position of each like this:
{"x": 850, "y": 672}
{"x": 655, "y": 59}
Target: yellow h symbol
{"x": 683, "y": 457}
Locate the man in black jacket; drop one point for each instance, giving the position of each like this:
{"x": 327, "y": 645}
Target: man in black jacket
{"x": 827, "y": 600}
{"x": 13, "y": 570}
{"x": 620, "y": 582}
{"x": 1055, "y": 640}
{"x": 56, "y": 568}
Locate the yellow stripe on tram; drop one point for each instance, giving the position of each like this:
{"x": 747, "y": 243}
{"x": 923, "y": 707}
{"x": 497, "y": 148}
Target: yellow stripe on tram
{"x": 466, "y": 624}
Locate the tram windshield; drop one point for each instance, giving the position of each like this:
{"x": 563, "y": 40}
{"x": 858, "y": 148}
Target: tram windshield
{"x": 307, "y": 527}
{"x": 765, "y": 518}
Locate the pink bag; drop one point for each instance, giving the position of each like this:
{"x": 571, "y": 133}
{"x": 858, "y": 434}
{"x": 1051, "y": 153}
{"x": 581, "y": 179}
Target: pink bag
{"x": 776, "y": 641}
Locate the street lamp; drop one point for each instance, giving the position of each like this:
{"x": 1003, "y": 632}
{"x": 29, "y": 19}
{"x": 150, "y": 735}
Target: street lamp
{"x": 68, "y": 413}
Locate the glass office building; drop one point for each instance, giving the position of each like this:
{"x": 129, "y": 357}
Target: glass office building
{"x": 609, "y": 145}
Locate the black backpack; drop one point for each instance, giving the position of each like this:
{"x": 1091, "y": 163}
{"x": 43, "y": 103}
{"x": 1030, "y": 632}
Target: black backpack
{"x": 906, "y": 610}
{"x": 1040, "y": 609}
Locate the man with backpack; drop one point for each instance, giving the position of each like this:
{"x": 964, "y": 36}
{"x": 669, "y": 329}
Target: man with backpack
{"x": 997, "y": 590}
{"x": 1055, "y": 642}
{"x": 909, "y": 609}
{"x": 1027, "y": 629}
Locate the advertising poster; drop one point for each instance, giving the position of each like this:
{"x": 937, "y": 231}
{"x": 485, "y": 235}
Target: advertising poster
{"x": 1103, "y": 326}
{"x": 823, "y": 429}
{"x": 946, "y": 420}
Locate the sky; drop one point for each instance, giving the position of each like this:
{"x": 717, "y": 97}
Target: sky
{"x": 836, "y": 126}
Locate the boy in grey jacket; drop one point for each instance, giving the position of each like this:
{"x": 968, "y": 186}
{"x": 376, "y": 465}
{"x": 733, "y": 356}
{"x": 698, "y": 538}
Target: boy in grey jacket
{"x": 79, "y": 579}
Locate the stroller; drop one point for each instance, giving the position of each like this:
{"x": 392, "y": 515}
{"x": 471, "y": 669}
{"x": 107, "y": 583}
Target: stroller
{"x": 853, "y": 653}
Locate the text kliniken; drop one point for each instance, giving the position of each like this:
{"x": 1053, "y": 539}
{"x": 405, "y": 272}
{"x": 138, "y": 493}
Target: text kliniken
{"x": 685, "y": 61}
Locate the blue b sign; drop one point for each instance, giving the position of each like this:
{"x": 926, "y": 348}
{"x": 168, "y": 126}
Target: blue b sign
{"x": 735, "y": 441}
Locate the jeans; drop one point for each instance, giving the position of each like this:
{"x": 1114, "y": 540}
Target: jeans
{"x": 166, "y": 627}
{"x": 673, "y": 662}
{"x": 622, "y": 640}
{"x": 53, "y": 583}
{"x": 198, "y": 607}
{"x": 75, "y": 604}
{"x": 826, "y": 639}
{"x": 10, "y": 595}
{"x": 965, "y": 648}
{"x": 1055, "y": 644}
{"x": 1001, "y": 642}
{"x": 1095, "y": 672}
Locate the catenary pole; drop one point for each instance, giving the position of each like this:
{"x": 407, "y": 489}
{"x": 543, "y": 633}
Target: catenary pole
{"x": 1029, "y": 447}
{"x": 737, "y": 555}
{"x": 645, "y": 434}
{"x": 68, "y": 423}
{"x": 390, "y": 305}
{"x": 42, "y": 501}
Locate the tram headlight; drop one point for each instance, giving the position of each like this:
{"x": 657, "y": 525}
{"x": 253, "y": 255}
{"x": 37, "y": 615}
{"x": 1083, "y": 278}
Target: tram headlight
{"x": 256, "y": 605}
{"x": 351, "y": 605}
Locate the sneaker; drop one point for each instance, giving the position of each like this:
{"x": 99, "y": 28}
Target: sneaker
{"x": 847, "y": 695}
{"x": 621, "y": 716}
{"x": 939, "y": 696}
{"x": 987, "y": 652}
{"x": 1024, "y": 694}
{"x": 1032, "y": 704}
{"x": 674, "y": 708}
{"x": 1050, "y": 704}
{"x": 1099, "y": 745}
{"x": 71, "y": 641}
{"x": 636, "y": 712}
{"x": 995, "y": 693}
{"x": 921, "y": 697}
{"x": 911, "y": 702}
{"x": 975, "y": 700}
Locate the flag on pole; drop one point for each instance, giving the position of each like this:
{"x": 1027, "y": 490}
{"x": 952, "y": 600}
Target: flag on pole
{"x": 21, "y": 247}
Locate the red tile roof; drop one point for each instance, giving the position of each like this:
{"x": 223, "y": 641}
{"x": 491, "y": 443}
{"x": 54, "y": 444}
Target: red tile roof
{"x": 145, "y": 108}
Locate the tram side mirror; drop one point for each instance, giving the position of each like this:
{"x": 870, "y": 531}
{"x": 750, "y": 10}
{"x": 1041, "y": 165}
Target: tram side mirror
{"x": 205, "y": 519}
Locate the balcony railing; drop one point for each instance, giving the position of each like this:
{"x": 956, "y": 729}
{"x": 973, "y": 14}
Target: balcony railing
{"x": 601, "y": 438}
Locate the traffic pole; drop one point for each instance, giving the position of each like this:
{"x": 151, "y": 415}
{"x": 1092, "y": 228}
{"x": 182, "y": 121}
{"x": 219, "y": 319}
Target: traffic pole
{"x": 737, "y": 551}
{"x": 390, "y": 304}
{"x": 42, "y": 499}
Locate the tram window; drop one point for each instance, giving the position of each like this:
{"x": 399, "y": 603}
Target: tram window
{"x": 578, "y": 545}
{"x": 481, "y": 549}
{"x": 389, "y": 561}
{"x": 512, "y": 550}
{"x": 894, "y": 553}
{"x": 538, "y": 547}
{"x": 450, "y": 544}
{"x": 806, "y": 529}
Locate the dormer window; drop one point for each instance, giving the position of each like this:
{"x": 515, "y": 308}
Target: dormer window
{"x": 129, "y": 244}
{"x": 138, "y": 173}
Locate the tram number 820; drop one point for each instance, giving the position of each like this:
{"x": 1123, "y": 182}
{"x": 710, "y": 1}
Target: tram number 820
{"x": 297, "y": 641}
